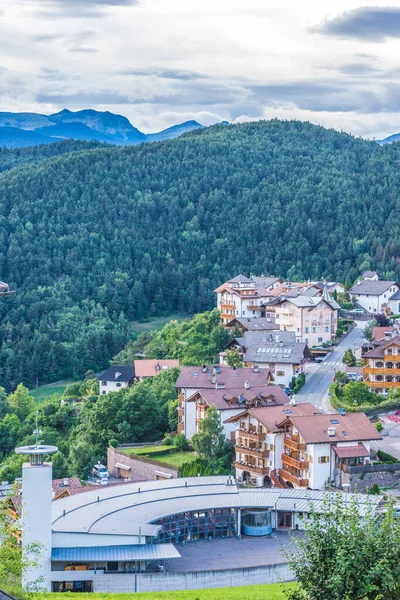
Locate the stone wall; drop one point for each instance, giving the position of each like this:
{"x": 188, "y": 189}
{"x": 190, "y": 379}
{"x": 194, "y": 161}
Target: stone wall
{"x": 141, "y": 469}
{"x": 191, "y": 580}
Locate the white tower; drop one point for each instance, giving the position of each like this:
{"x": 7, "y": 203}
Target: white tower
{"x": 36, "y": 515}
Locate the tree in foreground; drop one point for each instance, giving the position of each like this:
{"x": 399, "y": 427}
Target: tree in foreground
{"x": 211, "y": 444}
{"x": 347, "y": 554}
{"x": 349, "y": 358}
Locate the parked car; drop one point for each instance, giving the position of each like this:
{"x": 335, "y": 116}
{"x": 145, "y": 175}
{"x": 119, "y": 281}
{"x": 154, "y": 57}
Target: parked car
{"x": 100, "y": 471}
{"x": 357, "y": 310}
{"x": 354, "y": 377}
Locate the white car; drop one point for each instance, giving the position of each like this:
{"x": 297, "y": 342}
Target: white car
{"x": 100, "y": 471}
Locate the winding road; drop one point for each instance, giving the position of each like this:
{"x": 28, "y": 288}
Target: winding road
{"x": 320, "y": 376}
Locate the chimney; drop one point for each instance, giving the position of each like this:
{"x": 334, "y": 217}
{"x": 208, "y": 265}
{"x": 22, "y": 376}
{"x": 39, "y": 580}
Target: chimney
{"x": 66, "y": 481}
{"x": 213, "y": 379}
{"x": 246, "y": 385}
{"x": 331, "y": 431}
{"x": 204, "y": 368}
{"x": 158, "y": 367}
{"x": 214, "y": 371}
{"x": 255, "y": 368}
{"x": 388, "y": 335}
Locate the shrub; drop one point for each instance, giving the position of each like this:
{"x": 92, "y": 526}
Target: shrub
{"x": 181, "y": 442}
{"x": 300, "y": 381}
{"x": 73, "y": 389}
{"x": 113, "y": 443}
{"x": 168, "y": 441}
{"x": 379, "y": 426}
{"x": 374, "y": 489}
{"x": 386, "y": 458}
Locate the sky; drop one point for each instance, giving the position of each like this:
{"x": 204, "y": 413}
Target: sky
{"x": 161, "y": 62}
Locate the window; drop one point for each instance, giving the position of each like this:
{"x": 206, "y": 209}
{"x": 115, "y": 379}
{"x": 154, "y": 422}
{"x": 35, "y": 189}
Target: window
{"x": 118, "y": 384}
{"x": 306, "y": 340}
{"x": 280, "y": 373}
{"x": 284, "y": 519}
{"x": 272, "y": 448}
{"x": 345, "y": 433}
{"x": 298, "y": 329}
{"x": 323, "y": 459}
{"x": 327, "y": 329}
{"x": 334, "y": 422}
{"x": 306, "y": 330}
{"x": 320, "y": 339}
{"x": 379, "y": 364}
{"x": 104, "y": 383}
{"x": 104, "y": 392}
{"x": 313, "y": 330}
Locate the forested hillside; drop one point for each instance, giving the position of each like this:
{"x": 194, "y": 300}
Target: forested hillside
{"x": 94, "y": 239}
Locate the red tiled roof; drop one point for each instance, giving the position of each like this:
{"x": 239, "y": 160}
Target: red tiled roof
{"x": 199, "y": 379}
{"x": 349, "y": 428}
{"x": 273, "y": 416}
{"x": 148, "y": 368}
{"x": 227, "y": 399}
{"x": 378, "y": 333}
{"x": 350, "y": 451}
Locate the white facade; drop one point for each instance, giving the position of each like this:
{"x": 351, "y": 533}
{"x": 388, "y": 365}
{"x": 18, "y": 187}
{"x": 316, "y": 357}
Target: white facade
{"x": 36, "y": 524}
{"x": 375, "y": 303}
{"x": 112, "y": 386}
{"x": 312, "y": 325}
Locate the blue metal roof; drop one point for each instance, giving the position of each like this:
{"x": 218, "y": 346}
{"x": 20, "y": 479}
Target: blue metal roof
{"x": 112, "y": 553}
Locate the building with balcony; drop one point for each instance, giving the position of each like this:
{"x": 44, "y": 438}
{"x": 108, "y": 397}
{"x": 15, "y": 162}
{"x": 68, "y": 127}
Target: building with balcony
{"x": 381, "y": 364}
{"x": 5, "y": 290}
{"x": 313, "y": 319}
{"x": 228, "y": 382}
{"x": 245, "y": 297}
{"x": 297, "y": 446}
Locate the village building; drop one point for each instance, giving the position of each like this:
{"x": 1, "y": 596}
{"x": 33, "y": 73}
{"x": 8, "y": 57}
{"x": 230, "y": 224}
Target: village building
{"x": 298, "y": 446}
{"x": 313, "y": 319}
{"x": 244, "y": 297}
{"x": 381, "y": 364}
{"x": 115, "y": 379}
{"x": 373, "y": 295}
{"x": 195, "y": 379}
{"x": 266, "y": 323}
{"x": 151, "y": 368}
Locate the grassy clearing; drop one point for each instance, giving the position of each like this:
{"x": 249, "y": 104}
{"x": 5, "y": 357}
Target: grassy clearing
{"x": 46, "y": 391}
{"x": 250, "y": 592}
{"x": 164, "y": 454}
{"x": 155, "y": 324}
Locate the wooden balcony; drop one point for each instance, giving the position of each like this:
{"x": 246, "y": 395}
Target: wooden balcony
{"x": 293, "y": 479}
{"x": 227, "y": 316}
{"x": 252, "y": 468}
{"x": 252, "y": 435}
{"x": 181, "y": 412}
{"x": 294, "y": 443}
{"x": 229, "y": 306}
{"x": 252, "y": 451}
{"x": 380, "y": 371}
{"x": 293, "y": 462}
{"x": 382, "y": 384}
{"x": 181, "y": 397}
{"x": 181, "y": 427}
{"x": 392, "y": 357}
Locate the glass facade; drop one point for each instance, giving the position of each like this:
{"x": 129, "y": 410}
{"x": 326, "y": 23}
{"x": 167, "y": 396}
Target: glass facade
{"x": 192, "y": 526}
{"x": 256, "y": 522}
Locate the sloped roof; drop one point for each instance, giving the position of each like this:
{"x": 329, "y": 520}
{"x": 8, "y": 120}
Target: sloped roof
{"x": 273, "y": 416}
{"x": 256, "y": 324}
{"x": 351, "y": 451}
{"x": 151, "y": 368}
{"x": 378, "y": 333}
{"x": 370, "y": 273}
{"x": 379, "y": 349}
{"x": 117, "y": 373}
{"x": 267, "y": 395}
{"x": 314, "y": 430}
{"x": 197, "y": 378}
{"x": 274, "y": 352}
{"x": 395, "y": 296}
{"x": 370, "y": 287}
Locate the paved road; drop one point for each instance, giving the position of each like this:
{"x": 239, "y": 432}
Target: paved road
{"x": 320, "y": 376}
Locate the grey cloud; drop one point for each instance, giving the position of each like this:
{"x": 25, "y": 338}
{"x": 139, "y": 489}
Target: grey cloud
{"x": 359, "y": 69}
{"x": 83, "y": 98}
{"x": 367, "y": 23}
{"x": 83, "y": 49}
{"x": 177, "y": 74}
{"x": 79, "y": 8}
{"x": 46, "y": 37}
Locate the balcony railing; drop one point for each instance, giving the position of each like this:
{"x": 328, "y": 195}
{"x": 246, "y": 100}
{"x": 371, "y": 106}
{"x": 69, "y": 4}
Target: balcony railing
{"x": 293, "y": 479}
{"x": 294, "y": 443}
{"x": 228, "y": 306}
{"x": 293, "y": 462}
{"x": 181, "y": 427}
{"x": 251, "y": 468}
{"x": 381, "y": 371}
{"x": 252, "y": 451}
{"x": 252, "y": 435}
{"x": 382, "y": 384}
{"x": 181, "y": 412}
{"x": 229, "y": 316}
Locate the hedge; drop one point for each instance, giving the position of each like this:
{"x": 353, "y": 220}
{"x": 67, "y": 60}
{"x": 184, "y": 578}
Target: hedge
{"x": 385, "y": 405}
{"x": 387, "y": 458}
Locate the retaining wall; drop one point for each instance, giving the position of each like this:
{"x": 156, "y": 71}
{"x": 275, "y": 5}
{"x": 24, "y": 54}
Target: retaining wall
{"x": 141, "y": 469}
{"x": 192, "y": 580}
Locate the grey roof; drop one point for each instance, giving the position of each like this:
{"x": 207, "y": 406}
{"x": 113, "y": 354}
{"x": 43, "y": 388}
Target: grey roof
{"x": 265, "y": 282}
{"x": 307, "y": 301}
{"x": 109, "y": 553}
{"x": 273, "y": 352}
{"x": 373, "y": 288}
{"x": 370, "y": 273}
{"x": 256, "y": 337}
{"x": 134, "y": 508}
{"x": 240, "y": 279}
{"x": 257, "y": 324}
{"x": 395, "y": 296}
{"x": 117, "y": 374}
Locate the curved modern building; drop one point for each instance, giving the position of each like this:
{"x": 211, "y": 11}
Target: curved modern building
{"x": 103, "y": 539}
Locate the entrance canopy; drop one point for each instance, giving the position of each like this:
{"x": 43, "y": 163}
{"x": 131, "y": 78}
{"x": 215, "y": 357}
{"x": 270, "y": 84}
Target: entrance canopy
{"x": 113, "y": 553}
{"x": 351, "y": 451}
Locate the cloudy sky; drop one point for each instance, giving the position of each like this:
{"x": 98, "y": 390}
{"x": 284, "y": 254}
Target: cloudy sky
{"x": 160, "y": 62}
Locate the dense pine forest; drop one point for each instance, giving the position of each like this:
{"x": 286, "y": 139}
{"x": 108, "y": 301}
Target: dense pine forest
{"x": 95, "y": 237}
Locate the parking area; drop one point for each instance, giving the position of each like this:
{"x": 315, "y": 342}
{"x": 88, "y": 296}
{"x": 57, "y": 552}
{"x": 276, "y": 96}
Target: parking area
{"x": 391, "y": 438}
{"x": 231, "y": 553}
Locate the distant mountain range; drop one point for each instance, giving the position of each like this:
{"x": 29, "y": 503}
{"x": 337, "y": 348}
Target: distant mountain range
{"x": 389, "y": 140}
{"x": 19, "y": 130}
